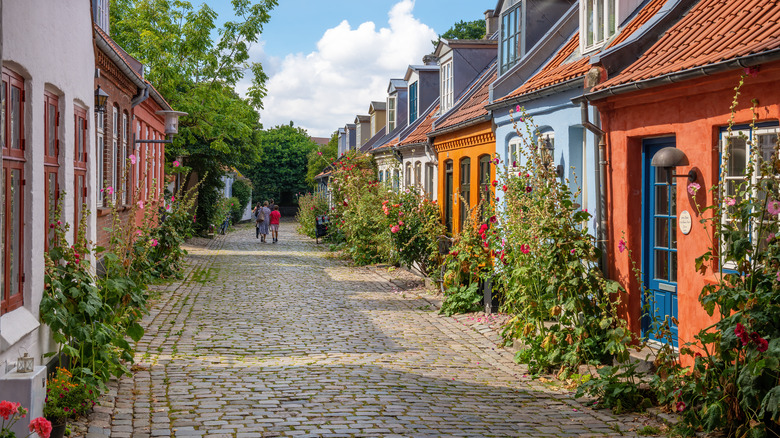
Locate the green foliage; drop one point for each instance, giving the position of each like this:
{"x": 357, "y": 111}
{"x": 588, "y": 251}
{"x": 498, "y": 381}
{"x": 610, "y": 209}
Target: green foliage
{"x": 236, "y": 210}
{"x": 464, "y": 30}
{"x": 242, "y": 190}
{"x": 66, "y": 399}
{"x": 563, "y": 308}
{"x": 279, "y": 173}
{"x": 414, "y": 228}
{"x": 320, "y": 158}
{"x": 618, "y": 388}
{"x": 461, "y": 299}
{"x": 222, "y": 209}
{"x": 310, "y": 206}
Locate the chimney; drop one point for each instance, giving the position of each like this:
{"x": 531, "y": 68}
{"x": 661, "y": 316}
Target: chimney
{"x": 491, "y": 23}
{"x": 430, "y": 59}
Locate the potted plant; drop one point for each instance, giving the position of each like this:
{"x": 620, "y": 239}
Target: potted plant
{"x": 66, "y": 399}
{"x": 13, "y": 412}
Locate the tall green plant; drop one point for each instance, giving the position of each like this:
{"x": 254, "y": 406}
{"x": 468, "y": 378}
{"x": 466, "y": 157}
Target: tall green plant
{"x": 310, "y": 205}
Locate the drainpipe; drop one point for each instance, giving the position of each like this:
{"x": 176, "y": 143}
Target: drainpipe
{"x": 599, "y": 152}
{"x": 140, "y": 97}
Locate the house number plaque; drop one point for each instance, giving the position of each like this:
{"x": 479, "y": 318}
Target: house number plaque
{"x": 685, "y": 222}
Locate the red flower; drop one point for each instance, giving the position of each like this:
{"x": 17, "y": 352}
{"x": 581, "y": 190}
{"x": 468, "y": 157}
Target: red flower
{"x": 503, "y": 187}
{"x": 454, "y": 253}
{"x": 483, "y": 228}
{"x": 8, "y": 409}
{"x": 525, "y": 249}
{"x": 762, "y": 345}
{"x": 495, "y": 183}
{"x": 41, "y": 426}
{"x": 493, "y": 219}
{"x": 680, "y": 406}
{"x": 739, "y": 330}
{"x": 528, "y": 189}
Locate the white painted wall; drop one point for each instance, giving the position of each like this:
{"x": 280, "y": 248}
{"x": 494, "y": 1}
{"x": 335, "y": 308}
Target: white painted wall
{"x": 49, "y": 43}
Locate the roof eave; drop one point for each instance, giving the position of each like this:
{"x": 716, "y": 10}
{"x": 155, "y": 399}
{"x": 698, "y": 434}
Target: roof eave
{"x": 669, "y": 78}
{"x": 461, "y": 125}
{"x": 537, "y": 94}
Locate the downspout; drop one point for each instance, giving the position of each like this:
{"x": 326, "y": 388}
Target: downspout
{"x": 140, "y": 97}
{"x": 599, "y": 152}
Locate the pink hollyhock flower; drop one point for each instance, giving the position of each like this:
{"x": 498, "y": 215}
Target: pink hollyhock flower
{"x": 751, "y": 71}
{"x": 503, "y": 187}
{"x": 319, "y": 153}
{"x": 778, "y": 275}
{"x": 495, "y": 183}
{"x": 680, "y": 406}
{"x": 139, "y": 233}
{"x": 394, "y": 229}
{"x": 773, "y": 207}
{"x": 154, "y": 242}
{"x": 622, "y": 245}
{"x": 41, "y": 426}
{"x": 693, "y": 188}
{"x": 176, "y": 163}
{"x": 495, "y": 160}
{"x": 133, "y": 159}
{"x": 173, "y": 198}
{"x": 730, "y": 201}
{"x": 110, "y": 190}
{"x": 483, "y": 228}
{"x": 140, "y": 204}
{"x": 400, "y": 223}
{"x": 573, "y": 251}
{"x": 493, "y": 219}
{"x": 517, "y": 108}
{"x": 525, "y": 249}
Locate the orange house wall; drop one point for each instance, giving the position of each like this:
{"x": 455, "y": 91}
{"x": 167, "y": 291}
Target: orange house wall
{"x": 473, "y": 142}
{"x": 693, "y": 112}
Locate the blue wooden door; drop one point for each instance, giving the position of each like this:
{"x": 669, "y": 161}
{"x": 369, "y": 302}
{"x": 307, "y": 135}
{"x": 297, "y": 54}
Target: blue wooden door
{"x": 659, "y": 243}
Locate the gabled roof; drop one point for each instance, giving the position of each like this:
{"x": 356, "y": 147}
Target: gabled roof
{"x": 362, "y": 119}
{"x": 396, "y": 84}
{"x": 712, "y": 32}
{"x": 419, "y": 68}
{"x": 377, "y": 106}
{"x": 422, "y": 126}
{"x": 371, "y": 141}
{"x": 471, "y": 107}
{"x": 566, "y": 66}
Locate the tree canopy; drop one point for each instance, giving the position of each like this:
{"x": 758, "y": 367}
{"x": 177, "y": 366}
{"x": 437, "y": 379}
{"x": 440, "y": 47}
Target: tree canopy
{"x": 321, "y": 157}
{"x": 278, "y": 175}
{"x": 197, "y": 67}
{"x": 464, "y": 30}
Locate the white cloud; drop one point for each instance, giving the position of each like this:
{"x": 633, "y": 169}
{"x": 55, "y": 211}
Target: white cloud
{"x": 325, "y": 89}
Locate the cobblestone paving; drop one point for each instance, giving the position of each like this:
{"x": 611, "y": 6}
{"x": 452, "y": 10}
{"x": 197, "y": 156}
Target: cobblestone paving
{"x": 284, "y": 340}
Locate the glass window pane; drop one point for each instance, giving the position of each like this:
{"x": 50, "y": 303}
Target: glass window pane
{"x": 661, "y": 264}
{"x": 16, "y": 230}
{"x": 52, "y": 131}
{"x": 661, "y": 233}
{"x": 15, "y": 118}
{"x": 661, "y": 199}
{"x": 673, "y": 269}
{"x": 2, "y": 114}
{"x": 738, "y": 156}
{"x": 673, "y": 232}
{"x": 672, "y": 199}
{"x": 766, "y": 145}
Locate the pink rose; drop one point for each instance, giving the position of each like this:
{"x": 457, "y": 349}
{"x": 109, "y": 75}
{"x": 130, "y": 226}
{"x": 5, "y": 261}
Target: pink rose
{"x": 176, "y": 163}
{"x": 154, "y": 242}
{"x": 394, "y": 229}
{"x": 133, "y": 159}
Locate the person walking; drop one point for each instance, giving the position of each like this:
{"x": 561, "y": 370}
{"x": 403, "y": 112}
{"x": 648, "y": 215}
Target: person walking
{"x": 256, "y": 215}
{"x": 274, "y": 223}
{"x": 263, "y": 220}
{"x": 271, "y": 205}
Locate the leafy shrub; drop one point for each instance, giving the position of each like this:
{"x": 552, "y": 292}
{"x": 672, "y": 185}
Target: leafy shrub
{"x": 66, "y": 399}
{"x": 310, "y": 205}
{"x": 618, "y": 388}
{"x": 236, "y": 210}
{"x": 415, "y": 228}
{"x": 242, "y": 190}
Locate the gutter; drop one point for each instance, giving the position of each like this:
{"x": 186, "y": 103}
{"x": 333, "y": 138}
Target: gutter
{"x": 113, "y": 56}
{"x": 553, "y": 89}
{"x": 461, "y": 125}
{"x": 698, "y": 72}
{"x": 142, "y": 95}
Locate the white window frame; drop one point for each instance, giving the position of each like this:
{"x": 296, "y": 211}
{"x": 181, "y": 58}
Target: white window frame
{"x": 446, "y": 86}
{"x": 513, "y": 153}
{"x": 429, "y": 180}
{"x": 749, "y": 135}
{"x": 414, "y": 101}
{"x": 391, "y": 110}
{"x": 598, "y": 23}
{"x": 509, "y": 37}
{"x": 100, "y": 129}
{"x": 114, "y": 151}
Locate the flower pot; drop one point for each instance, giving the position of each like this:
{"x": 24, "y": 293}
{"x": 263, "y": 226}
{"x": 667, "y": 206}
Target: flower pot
{"x": 58, "y": 428}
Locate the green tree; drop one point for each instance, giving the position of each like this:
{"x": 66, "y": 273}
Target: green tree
{"x": 464, "y": 30}
{"x": 281, "y": 169}
{"x": 198, "y": 74}
{"x": 321, "y": 157}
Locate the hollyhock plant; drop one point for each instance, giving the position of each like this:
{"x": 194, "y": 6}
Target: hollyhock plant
{"x": 693, "y": 188}
{"x": 133, "y": 159}
{"x": 176, "y": 163}
{"x": 773, "y": 207}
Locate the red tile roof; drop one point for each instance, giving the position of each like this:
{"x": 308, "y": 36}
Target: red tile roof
{"x": 474, "y": 105}
{"x": 420, "y": 133}
{"x": 712, "y": 31}
{"x": 557, "y": 71}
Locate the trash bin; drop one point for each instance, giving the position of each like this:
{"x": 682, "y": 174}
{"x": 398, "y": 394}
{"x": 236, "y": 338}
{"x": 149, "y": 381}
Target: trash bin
{"x": 321, "y": 227}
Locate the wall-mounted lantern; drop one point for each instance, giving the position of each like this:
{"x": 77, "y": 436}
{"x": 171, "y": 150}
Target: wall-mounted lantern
{"x": 101, "y": 98}
{"x": 171, "y": 121}
{"x": 668, "y": 159}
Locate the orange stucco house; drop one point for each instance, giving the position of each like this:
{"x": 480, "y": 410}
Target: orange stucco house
{"x": 678, "y": 94}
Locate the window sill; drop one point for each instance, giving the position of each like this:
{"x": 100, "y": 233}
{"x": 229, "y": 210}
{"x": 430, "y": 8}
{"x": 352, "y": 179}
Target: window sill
{"x": 15, "y": 325}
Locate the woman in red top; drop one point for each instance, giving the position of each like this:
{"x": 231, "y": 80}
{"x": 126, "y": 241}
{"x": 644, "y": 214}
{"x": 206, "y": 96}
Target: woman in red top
{"x": 274, "y": 223}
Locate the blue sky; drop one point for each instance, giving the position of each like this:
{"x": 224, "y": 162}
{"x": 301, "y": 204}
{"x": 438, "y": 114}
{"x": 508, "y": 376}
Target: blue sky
{"x": 328, "y": 59}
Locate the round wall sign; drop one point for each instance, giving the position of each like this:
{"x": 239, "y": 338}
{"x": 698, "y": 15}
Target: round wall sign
{"x": 685, "y": 222}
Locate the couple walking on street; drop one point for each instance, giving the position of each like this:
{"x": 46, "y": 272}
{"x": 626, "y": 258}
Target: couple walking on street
{"x": 267, "y": 218}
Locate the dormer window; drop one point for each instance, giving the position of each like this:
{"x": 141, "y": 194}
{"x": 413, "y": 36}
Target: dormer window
{"x": 413, "y": 103}
{"x": 598, "y": 22}
{"x": 101, "y": 14}
{"x": 446, "y": 87}
{"x": 390, "y": 114}
{"x": 510, "y": 38}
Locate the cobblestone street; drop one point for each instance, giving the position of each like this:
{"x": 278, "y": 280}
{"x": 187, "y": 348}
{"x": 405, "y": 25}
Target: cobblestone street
{"x": 285, "y": 340}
